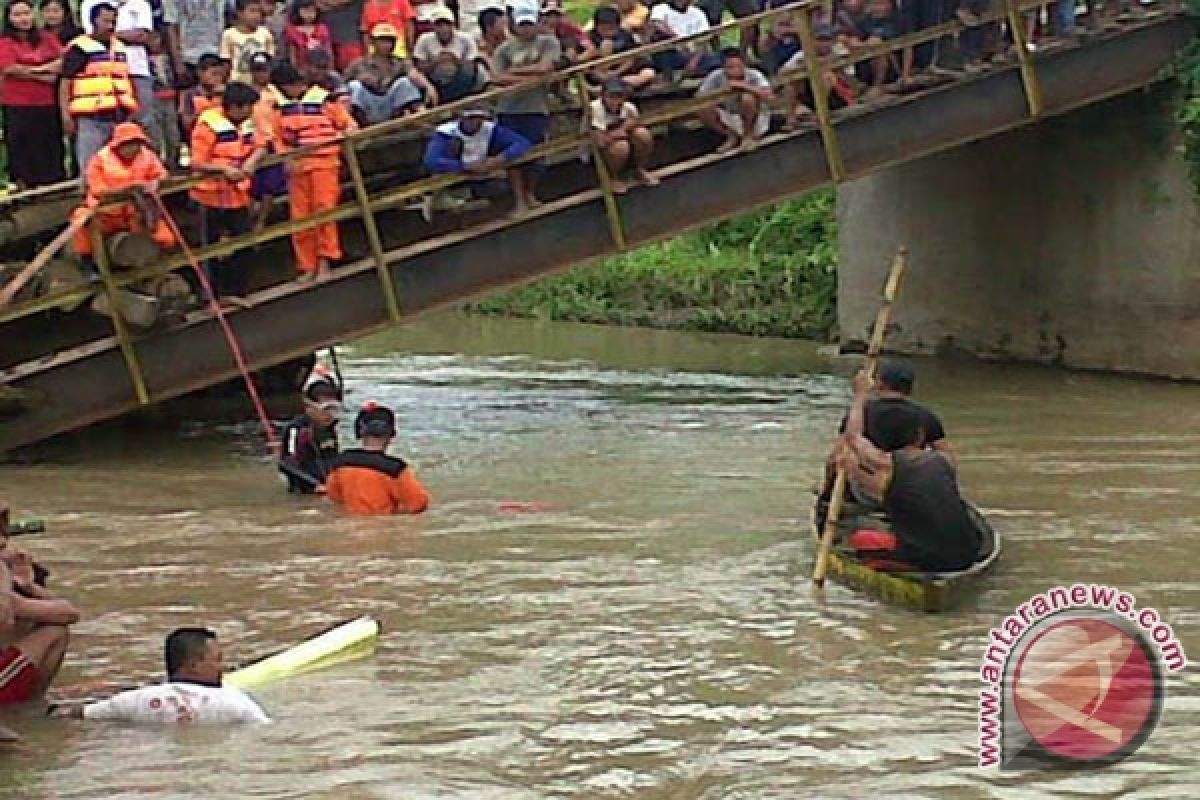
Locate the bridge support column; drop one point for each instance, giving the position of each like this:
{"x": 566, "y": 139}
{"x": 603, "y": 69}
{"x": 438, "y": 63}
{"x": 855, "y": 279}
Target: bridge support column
{"x": 1075, "y": 242}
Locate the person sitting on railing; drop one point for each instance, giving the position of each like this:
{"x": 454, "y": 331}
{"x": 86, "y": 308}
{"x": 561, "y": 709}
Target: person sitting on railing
{"x": 797, "y": 93}
{"x": 475, "y": 145}
{"x": 742, "y": 117}
{"x": 528, "y": 56}
{"x": 126, "y": 165}
{"x": 226, "y": 148}
{"x": 309, "y": 116}
{"x": 383, "y": 86}
{"x": 609, "y": 38}
{"x": 574, "y": 42}
{"x": 621, "y": 137}
{"x": 877, "y": 24}
{"x": 671, "y": 20}
{"x": 210, "y": 70}
{"x": 448, "y": 57}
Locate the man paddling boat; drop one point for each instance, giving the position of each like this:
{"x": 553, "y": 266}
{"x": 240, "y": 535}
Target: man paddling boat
{"x": 192, "y": 694}
{"x": 916, "y": 487}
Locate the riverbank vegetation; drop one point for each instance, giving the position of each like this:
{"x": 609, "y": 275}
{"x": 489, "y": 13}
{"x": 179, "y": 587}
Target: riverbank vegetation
{"x": 767, "y": 273}
{"x": 1187, "y": 71}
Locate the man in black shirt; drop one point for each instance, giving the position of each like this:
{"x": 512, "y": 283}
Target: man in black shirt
{"x": 916, "y": 487}
{"x": 309, "y": 442}
{"x": 896, "y": 380}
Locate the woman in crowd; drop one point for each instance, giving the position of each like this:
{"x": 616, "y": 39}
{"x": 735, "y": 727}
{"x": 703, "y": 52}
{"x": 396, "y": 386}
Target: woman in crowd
{"x": 305, "y": 32}
{"x": 29, "y": 65}
{"x": 59, "y": 21}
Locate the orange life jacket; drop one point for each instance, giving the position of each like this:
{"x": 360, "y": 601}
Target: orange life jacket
{"x": 304, "y": 122}
{"x": 108, "y": 173}
{"x": 104, "y": 86}
{"x": 233, "y": 146}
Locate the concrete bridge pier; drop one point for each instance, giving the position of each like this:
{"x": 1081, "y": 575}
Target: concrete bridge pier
{"x": 1075, "y": 242}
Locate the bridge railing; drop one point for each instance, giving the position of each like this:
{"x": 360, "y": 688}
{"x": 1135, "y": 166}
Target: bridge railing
{"x": 365, "y": 204}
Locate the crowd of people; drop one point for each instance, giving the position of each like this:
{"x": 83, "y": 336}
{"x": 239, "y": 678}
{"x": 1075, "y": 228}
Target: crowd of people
{"x": 147, "y": 88}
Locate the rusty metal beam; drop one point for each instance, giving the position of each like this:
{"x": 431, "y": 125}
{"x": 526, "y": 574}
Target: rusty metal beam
{"x": 446, "y": 270}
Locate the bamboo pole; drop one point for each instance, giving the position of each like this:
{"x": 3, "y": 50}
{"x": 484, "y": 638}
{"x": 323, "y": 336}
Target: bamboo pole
{"x": 132, "y": 365}
{"x": 1029, "y": 76}
{"x": 820, "y": 93}
{"x": 870, "y": 364}
{"x": 372, "y": 228}
{"x": 43, "y": 258}
{"x": 615, "y": 224}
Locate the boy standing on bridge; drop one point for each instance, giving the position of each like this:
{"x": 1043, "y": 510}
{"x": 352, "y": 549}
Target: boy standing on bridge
{"x": 309, "y": 116}
{"x": 224, "y": 149}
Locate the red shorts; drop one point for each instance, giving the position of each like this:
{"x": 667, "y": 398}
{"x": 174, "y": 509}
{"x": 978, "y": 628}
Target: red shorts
{"x": 18, "y": 677}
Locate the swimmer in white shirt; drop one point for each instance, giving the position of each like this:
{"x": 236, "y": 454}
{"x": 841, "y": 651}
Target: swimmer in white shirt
{"x": 192, "y": 695}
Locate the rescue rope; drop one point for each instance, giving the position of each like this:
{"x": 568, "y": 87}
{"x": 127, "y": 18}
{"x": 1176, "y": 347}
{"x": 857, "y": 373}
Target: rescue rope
{"x": 230, "y": 337}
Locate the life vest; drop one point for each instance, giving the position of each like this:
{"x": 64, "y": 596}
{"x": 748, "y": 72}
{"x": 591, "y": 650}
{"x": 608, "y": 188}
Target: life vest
{"x": 202, "y": 102}
{"x": 103, "y": 87}
{"x": 232, "y": 148}
{"x": 304, "y": 121}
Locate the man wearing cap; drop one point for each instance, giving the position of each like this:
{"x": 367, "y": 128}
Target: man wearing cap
{"x": 477, "y": 146}
{"x": 447, "y": 57}
{"x": 127, "y": 164}
{"x": 384, "y": 87}
{"x": 366, "y": 480}
{"x": 309, "y": 442}
{"x": 530, "y": 54}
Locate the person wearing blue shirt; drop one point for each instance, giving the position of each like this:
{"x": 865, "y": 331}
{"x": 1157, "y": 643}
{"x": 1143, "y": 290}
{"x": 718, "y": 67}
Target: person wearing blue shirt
{"x": 478, "y": 146}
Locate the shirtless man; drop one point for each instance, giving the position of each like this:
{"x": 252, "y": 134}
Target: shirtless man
{"x": 33, "y": 626}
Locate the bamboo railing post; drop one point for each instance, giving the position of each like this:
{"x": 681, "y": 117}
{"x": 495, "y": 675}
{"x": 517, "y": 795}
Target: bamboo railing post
{"x": 616, "y": 225}
{"x": 1029, "y": 76}
{"x": 820, "y": 93}
{"x": 132, "y": 365}
{"x": 372, "y": 228}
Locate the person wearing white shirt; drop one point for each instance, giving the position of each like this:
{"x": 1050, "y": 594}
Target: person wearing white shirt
{"x": 135, "y": 27}
{"x": 672, "y": 20}
{"x": 192, "y": 694}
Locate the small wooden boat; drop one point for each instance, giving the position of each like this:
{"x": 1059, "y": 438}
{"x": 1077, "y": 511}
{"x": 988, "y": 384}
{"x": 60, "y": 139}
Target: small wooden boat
{"x": 920, "y": 591}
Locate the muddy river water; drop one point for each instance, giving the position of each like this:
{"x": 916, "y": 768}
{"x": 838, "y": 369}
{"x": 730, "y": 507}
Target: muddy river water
{"x": 651, "y": 632}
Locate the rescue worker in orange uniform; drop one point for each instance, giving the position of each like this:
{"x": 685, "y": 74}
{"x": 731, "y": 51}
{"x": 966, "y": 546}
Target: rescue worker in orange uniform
{"x": 309, "y": 115}
{"x": 96, "y": 92}
{"x": 127, "y": 164}
{"x": 224, "y": 147}
{"x": 366, "y": 480}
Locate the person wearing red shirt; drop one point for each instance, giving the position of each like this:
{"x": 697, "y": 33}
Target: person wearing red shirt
{"x": 29, "y": 65}
{"x": 397, "y": 13}
{"x": 305, "y": 33}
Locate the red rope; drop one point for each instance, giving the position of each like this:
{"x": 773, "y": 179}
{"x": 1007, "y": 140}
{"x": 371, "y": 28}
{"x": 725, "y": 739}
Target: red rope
{"x": 230, "y": 337}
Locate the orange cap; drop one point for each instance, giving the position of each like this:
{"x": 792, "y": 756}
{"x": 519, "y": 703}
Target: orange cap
{"x": 128, "y": 132}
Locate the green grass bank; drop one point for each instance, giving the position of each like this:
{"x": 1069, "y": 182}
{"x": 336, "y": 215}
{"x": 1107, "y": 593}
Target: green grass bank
{"x": 768, "y": 273}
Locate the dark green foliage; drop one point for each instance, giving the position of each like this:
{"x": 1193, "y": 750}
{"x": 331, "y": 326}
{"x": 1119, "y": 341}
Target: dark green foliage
{"x": 769, "y": 273}
{"x": 1187, "y": 72}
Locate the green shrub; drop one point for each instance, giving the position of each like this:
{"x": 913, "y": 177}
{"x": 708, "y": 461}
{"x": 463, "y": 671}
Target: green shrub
{"x": 768, "y": 273}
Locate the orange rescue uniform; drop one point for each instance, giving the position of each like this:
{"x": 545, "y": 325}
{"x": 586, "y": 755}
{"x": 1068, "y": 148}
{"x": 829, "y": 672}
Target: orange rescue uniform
{"x": 216, "y": 141}
{"x": 370, "y": 482}
{"x": 107, "y": 173}
{"x": 315, "y": 187}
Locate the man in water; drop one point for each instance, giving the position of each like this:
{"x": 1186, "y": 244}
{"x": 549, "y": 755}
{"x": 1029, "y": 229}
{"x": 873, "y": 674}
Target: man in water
{"x": 192, "y": 694}
{"x": 916, "y": 487}
{"x": 309, "y": 442}
{"x": 367, "y": 480}
{"x": 33, "y": 625}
